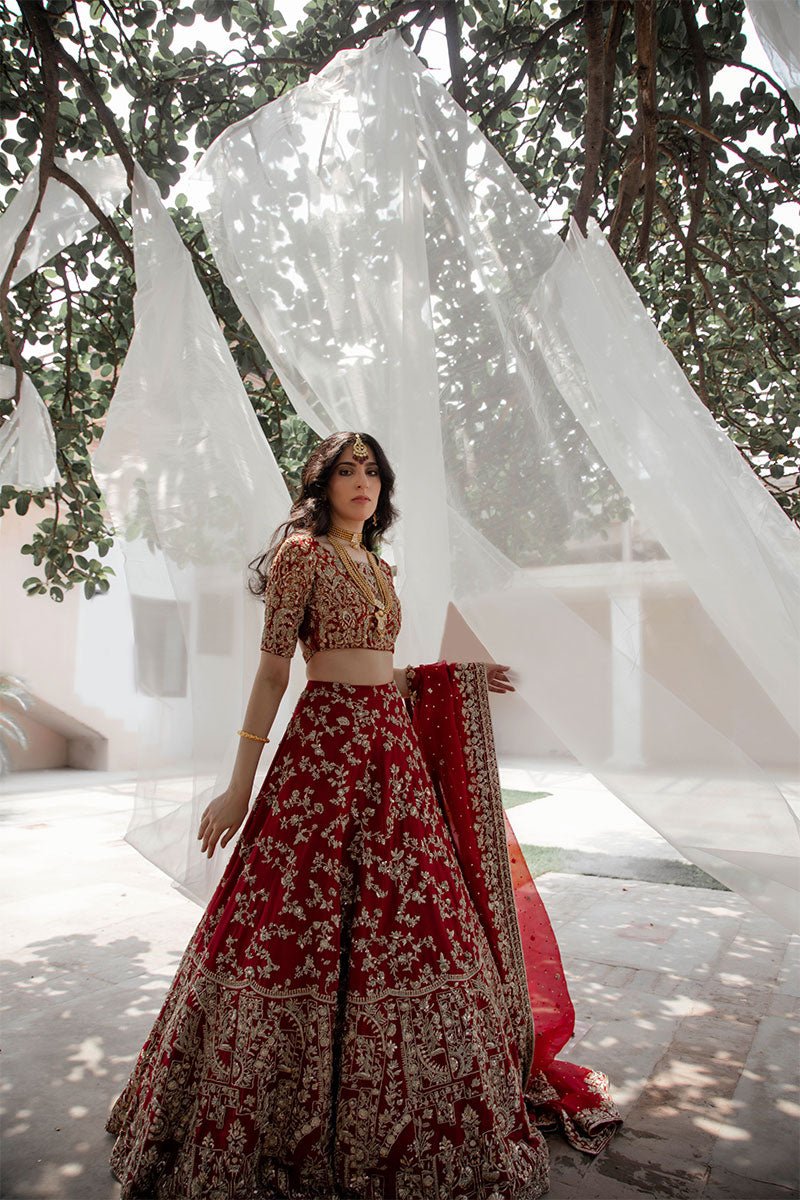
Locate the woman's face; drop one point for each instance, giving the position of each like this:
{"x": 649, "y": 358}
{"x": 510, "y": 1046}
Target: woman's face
{"x": 353, "y": 489}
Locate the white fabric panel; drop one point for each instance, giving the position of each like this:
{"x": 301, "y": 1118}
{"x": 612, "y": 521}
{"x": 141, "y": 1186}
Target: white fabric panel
{"x": 721, "y": 524}
{"x": 302, "y": 256}
{"x": 63, "y": 217}
{"x": 777, "y": 23}
{"x": 403, "y": 283}
{"x": 194, "y": 492}
{"x": 27, "y": 441}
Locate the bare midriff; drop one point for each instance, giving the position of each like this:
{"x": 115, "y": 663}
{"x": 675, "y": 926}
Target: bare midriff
{"x": 351, "y": 665}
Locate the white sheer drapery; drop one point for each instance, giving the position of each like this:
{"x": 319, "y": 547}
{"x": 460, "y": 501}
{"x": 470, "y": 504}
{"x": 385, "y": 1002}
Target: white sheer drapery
{"x": 63, "y": 216}
{"x": 777, "y": 23}
{"x": 194, "y": 491}
{"x": 402, "y": 282}
{"x": 27, "y": 440}
{"x": 190, "y": 484}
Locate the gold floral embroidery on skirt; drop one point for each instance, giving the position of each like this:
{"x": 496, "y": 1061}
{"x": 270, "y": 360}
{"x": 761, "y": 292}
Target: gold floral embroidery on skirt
{"x": 337, "y": 1026}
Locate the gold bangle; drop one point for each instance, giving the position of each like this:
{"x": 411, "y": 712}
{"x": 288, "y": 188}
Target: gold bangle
{"x": 253, "y": 736}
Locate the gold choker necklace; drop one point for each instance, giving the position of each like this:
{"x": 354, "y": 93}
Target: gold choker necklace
{"x": 346, "y": 535}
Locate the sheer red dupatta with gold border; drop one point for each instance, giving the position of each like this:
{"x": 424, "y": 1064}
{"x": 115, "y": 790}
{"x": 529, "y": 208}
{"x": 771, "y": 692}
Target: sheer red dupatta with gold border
{"x": 449, "y": 704}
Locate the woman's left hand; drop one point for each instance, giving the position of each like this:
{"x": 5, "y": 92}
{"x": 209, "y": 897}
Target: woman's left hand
{"x": 497, "y": 679}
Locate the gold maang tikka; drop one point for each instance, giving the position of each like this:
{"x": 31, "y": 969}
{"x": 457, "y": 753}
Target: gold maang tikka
{"x": 360, "y": 448}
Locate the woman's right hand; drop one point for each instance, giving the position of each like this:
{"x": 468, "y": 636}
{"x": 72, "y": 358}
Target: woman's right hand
{"x": 221, "y": 819}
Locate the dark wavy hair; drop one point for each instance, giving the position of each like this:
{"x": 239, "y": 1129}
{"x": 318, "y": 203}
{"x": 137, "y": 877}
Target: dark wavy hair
{"x": 311, "y": 511}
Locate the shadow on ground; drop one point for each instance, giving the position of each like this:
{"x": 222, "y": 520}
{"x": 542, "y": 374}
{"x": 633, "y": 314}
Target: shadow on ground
{"x": 687, "y": 999}
{"x": 670, "y": 1002}
{"x": 75, "y": 1013}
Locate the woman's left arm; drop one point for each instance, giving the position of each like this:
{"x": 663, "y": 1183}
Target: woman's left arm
{"x": 401, "y": 681}
{"x": 496, "y": 678}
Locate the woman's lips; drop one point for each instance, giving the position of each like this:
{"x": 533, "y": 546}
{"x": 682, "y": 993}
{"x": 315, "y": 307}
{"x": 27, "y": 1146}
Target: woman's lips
{"x": 361, "y": 500}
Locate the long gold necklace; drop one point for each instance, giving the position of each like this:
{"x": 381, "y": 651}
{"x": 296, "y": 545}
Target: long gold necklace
{"x": 340, "y": 539}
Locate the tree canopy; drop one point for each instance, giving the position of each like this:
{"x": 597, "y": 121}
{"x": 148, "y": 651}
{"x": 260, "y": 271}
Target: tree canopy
{"x": 608, "y": 108}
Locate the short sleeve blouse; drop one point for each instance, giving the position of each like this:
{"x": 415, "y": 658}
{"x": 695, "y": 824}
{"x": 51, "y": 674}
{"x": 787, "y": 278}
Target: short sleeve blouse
{"x": 289, "y": 583}
{"x": 310, "y": 597}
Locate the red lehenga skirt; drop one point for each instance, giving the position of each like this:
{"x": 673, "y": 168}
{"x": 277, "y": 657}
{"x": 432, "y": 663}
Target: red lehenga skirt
{"x": 355, "y": 1017}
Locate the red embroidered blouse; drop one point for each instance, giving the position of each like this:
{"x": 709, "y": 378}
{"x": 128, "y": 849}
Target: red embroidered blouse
{"x": 311, "y": 597}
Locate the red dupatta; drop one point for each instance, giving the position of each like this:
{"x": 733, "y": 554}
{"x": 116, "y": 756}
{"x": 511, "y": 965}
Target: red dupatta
{"x": 451, "y": 716}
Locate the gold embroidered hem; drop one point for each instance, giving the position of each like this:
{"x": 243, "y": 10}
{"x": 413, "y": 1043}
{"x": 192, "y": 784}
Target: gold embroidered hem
{"x": 272, "y": 1063}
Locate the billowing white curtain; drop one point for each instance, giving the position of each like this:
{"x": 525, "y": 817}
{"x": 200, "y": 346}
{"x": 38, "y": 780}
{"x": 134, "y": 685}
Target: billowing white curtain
{"x": 27, "y": 440}
{"x": 777, "y": 23}
{"x": 403, "y": 283}
{"x": 562, "y": 489}
{"x": 194, "y": 491}
{"x": 63, "y": 217}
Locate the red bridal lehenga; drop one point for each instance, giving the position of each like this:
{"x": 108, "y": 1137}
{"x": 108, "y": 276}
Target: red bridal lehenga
{"x": 372, "y": 1002}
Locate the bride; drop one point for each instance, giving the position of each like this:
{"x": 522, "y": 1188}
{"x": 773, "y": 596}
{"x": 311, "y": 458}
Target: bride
{"x": 372, "y": 1002}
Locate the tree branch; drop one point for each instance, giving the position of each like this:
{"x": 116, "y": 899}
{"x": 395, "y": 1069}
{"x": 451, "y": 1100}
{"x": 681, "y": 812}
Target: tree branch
{"x": 663, "y": 115}
{"x": 702, "y": 386}
{"x": 701, "y": 71}
{"x": 674, "y": 225}
{"x": 424, "y": 27}
{"x": 51, "y": 48}
{"x": 630, "y": 185}
{"x": 707, "y": 253}
{"x": 645, "y": 23}
{"x": 103, "y": 221}
{"x": 62, "y": 270}
{"x": 594, "y": 119}
{"x": 49, "y": 127}
{"x": 528, "y": 64}
{"x": 782, "y": 92}
{"x": 615, "y": 27}
{"x": 453, "y": 36}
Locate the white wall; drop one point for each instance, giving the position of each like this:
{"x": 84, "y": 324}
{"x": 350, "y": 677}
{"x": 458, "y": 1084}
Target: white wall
{"x": 76, "y": 658}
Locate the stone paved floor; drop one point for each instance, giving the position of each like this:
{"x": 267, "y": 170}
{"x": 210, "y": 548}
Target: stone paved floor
{"x": 686, "y": 997}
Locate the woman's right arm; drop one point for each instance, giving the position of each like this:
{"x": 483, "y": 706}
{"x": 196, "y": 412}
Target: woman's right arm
{"x": 289, "y": 584}
{"x": 226, "y": 812}
{"x": 272, "y": 678}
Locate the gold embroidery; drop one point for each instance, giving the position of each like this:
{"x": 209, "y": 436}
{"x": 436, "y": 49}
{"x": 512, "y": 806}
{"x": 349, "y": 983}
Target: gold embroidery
{"x": 589, "y": 1129}
{"x": 487, "y": 806}
{"x": 338, "y": 1018}
{"x": 310, "y": 596}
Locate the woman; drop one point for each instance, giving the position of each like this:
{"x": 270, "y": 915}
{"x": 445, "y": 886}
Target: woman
{"x": 352, "y": 1017}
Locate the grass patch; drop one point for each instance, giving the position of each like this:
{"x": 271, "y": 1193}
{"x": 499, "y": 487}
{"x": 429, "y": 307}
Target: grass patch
{"x": 512, "y": 798}
{"x": 541, "y": 859}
